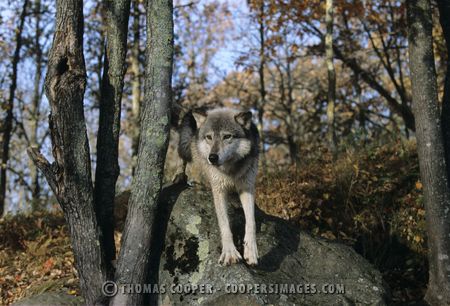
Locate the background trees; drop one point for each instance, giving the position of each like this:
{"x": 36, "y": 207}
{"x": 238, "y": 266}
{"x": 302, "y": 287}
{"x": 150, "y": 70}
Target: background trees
{"x": 7, "y": 123}
{"x": 269, "y": 56}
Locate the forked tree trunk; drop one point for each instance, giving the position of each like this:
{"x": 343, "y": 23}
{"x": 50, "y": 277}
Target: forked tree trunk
{"x": 430, "y": 149}
{"x": 7, "y": 125}
{"x": 444, "y": 12}
{"x": 70, "y": 175}
{"x": 331, "y": 133}
{"x": 107, "y": 170}
{"x": 133, "y": 261}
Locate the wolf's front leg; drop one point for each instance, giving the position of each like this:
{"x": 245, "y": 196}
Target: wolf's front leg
{"x": 250, "y": 248}
{"x": 229, "y": 253}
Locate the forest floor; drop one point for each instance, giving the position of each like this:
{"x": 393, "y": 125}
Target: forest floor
{"x": 370, "y": 199}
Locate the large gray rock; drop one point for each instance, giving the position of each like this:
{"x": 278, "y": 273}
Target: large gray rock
{"x": 288, "y": 257}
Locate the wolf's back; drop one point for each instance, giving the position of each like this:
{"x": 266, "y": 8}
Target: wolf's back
{"x": 188, "y": 128}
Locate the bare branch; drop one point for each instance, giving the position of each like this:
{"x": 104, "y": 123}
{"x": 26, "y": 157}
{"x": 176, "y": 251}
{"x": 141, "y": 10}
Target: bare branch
{"x": 49, "y": 170}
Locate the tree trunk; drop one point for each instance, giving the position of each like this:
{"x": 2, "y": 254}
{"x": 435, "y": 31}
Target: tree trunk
{"x": 107, "y": 170}
{"x": 293, "y": 150}
{"x": 133, "y": 262}
{"x": 7, "y": 125}
{"x": 430, "y": 149}
{"x": 135, "y": 84}
{"x": 70, "y": 175}
{"x": 262, "y": 83}
{"x": 444, "y": 12}
{"x": 290, "y": 125}
{"x": 331, "y": 133}
{"x": 34, "y": 108}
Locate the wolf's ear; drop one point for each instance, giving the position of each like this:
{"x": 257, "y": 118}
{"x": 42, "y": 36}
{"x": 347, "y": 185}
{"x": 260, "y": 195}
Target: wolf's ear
{"x": 244, "y": 119}
{"x": 199, "y": 116}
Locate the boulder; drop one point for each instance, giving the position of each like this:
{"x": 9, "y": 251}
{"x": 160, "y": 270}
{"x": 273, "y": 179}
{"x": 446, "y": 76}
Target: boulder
{"x": 294, "y": 267}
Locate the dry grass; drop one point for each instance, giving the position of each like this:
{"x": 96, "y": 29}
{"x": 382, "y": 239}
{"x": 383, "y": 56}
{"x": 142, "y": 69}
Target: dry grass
{"x": 370, "y": 199}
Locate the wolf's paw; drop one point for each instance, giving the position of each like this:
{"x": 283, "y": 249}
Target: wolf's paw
{"x": 229, "y": 256}
{"x": 251, "y": 252}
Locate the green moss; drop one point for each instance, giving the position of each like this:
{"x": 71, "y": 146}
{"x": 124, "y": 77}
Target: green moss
{"x": 192, "y": 225}
{"x": 202, "y": 252}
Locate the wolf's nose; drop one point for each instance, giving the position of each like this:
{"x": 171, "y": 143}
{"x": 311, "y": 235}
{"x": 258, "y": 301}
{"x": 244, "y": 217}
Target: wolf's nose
{"x": 213, "y": 158}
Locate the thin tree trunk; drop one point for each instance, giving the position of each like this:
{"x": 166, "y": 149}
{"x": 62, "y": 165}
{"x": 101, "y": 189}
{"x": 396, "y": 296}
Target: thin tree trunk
{"x": 430, "y": 149}
{"x": 444, "y": 12}
{"x": 70, "y": 175}
{"x": 331, "y": 133}
{"x": 133, "y": 261}
{"x": 107, "y": 170}
{"x": 99, "y": 10}
{"x": 293, "y": 145}
{"x": 362, "y": 111}
{"x": 8, "y": 123}
{"x": 135, "y": 84}
{"x": 293, "y": 149}
{"x": 34, "y": 108}
{"x": 262, "y": 83}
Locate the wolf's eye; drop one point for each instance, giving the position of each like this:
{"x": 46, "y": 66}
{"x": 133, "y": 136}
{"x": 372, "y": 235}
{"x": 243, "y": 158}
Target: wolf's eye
{"x": 209, "y": 137}
{"x": 227, "y": 136}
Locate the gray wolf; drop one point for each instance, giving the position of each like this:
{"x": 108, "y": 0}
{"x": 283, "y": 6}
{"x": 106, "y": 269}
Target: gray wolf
{"x": 224, "y": 145}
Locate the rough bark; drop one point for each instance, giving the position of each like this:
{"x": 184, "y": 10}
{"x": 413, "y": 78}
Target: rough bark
{"x": 135, "y": 84}
{"x": 331, "y": 133}
{"x": 7, "y": 125}
{"x": 69, "y": 175}
{"x": 444, "y": 12}
{"x": 107, "y": 170}
{"x": 430, "y": 149}
{"x": 133, "y": 261}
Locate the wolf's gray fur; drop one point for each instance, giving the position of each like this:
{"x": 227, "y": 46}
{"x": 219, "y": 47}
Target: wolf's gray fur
{"x": 225, "y": 148}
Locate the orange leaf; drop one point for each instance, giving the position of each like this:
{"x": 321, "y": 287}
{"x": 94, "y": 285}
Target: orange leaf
{"x": 419, "y": 185}
{"x": 48, "y": 264}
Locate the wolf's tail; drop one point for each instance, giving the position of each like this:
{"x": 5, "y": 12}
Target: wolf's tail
{"x": 187, "y": 130}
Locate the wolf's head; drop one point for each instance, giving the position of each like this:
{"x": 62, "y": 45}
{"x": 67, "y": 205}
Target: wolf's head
{"x": 226, "y": 135}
